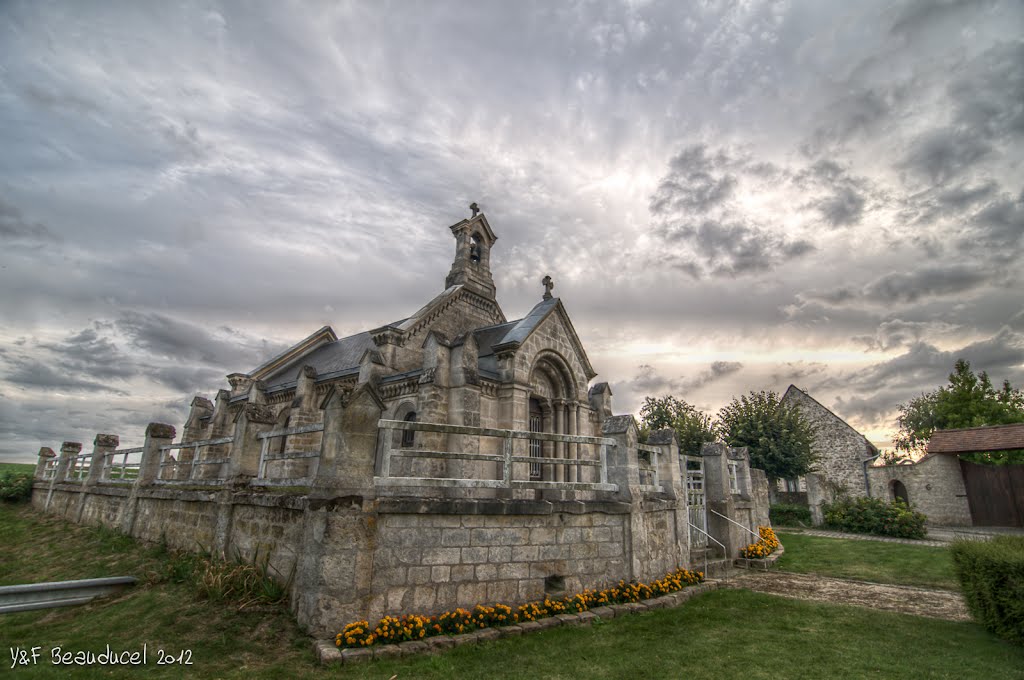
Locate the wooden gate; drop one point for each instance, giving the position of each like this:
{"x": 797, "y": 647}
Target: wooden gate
{"x": 995, "y": 494}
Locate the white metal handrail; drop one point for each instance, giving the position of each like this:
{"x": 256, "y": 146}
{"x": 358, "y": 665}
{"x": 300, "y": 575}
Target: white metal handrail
{"x": 727, "y": 519}
{"x": 725, "y": 551}
{"x": 505, "y": 458}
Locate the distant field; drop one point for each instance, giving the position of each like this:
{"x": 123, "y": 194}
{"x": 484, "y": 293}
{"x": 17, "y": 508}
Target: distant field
{"x": 17, "y": 467}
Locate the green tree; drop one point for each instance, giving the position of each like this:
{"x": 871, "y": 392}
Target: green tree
{"x": 969, "y": 400}
{"x": 693, "y": 427}
{"x": 778, "y": 436}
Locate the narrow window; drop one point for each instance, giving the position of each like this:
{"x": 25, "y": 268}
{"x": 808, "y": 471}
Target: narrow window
{"x": 409, "y": 436}
{"x": 734, "y": 482}
{"x": 536, "y": 449}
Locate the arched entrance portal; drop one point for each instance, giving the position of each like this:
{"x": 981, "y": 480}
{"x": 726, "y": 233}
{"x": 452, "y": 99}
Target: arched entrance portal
{"x": 554, "y": 408}
{"x": 899, "y": 491}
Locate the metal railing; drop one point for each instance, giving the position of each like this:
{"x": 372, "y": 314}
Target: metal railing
{"x": 732, "y": 521}
{"x": 709, "y": 537}
{"x": 506, "y": 459}
{"x": 266, "y": 457}
{"x": 123, "y": 471}
{"x": 168, "y": 463}
{"x": 59, "y": 593}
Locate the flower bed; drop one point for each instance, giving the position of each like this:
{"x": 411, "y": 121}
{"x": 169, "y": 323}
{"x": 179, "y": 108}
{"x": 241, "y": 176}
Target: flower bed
{"x": 765, "y": 546}
{"x": 391, "y": 629}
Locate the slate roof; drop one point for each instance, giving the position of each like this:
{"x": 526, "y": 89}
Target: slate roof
{"x": 333, "y": 357}
{"x": 977, "y": 439}
{"x": 522, "y": 328}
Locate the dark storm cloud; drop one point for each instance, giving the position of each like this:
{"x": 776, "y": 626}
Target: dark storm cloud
{"x": 897, "y": 333}
{"x": 944, "y": 154}
{"x": 923, "y": 367}
{"x": 696, "y": 182}
{"x": 1000, "y": 224}
{"x": 906, "y": 287}
{"x": 35, "y": 374}
{"x": 730, "y": 249}
{"x": 843, "y": 208}
{"x": 718, "y": 369}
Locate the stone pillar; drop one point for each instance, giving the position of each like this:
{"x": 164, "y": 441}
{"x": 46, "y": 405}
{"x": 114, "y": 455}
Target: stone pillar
{"x": 220, "y": 426}
{"x": 600, "y": 397}
{"x": 102, "y": 445}
{"x": 349, "y": 443}
{"x": 46, "y": 454}
{"x": 559, "y": 447}
{"x": 68, "y": 450}
{"x": 157, "y": 435}
{"x": 254, "y": 420}
{"x": 669, "y": 473}
{"x": 573, "y": 452}
{"x": 623, "y": 466}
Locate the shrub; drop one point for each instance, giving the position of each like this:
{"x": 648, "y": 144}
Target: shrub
{"x": 991, "y": 576}
{"x": 789, "y": 514}
{"x": 875, "y": 516}
{"x": 15, "y": 487}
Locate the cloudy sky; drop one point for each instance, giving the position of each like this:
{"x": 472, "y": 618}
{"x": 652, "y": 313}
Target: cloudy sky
{"x": 730, "y": 196}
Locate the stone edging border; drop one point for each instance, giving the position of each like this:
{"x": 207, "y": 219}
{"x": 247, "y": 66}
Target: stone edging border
{"x": 328, "y": 653}
{"x": 766, "y": 563}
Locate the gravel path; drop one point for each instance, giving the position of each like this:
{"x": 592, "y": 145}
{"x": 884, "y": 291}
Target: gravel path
{"x": 936, "y": 604}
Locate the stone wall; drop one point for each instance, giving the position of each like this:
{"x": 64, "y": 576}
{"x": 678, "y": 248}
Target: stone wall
{"x": 934, "y": 484}
{"x": 841, "y": 450}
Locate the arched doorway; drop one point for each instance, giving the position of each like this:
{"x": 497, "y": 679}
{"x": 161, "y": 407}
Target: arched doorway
{"x": 899, "y": 492}
{"x": 553, "y": 408}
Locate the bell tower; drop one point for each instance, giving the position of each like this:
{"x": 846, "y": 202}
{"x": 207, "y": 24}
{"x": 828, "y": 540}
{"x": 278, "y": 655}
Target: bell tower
{"x": 472, "y": 265}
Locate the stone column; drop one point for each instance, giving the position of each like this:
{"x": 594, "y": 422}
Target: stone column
{"x": 68, "y": 450}
{"x": 573, "y": 451}
{"x": 46, "y": 454}
{"x": 623, "y": 466}
{"x": 157, "y": 435}
{"x": 559, "y": 447}
{"x": 102, "y": 445}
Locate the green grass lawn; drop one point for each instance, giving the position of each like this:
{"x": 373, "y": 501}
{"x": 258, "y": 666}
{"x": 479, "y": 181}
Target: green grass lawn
{"x": 723, "y": 634}
{"x": 877, "y": 561}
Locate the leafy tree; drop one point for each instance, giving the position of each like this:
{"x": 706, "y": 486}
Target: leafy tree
{"x": 969, "y": 400}
{"x": 778, "y": 436}
{"x": 692, "y": 426}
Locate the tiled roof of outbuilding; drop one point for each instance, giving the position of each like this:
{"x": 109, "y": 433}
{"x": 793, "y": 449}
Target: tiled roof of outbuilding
{"x": 978, "y": 439}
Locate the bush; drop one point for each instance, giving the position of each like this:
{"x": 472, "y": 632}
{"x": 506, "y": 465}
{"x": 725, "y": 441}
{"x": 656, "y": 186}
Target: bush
{"x": 15, "y": 487}
{"x": 789, "y": 514}
{"x": 991, "y": 576}
{"x": 875, "y": 516}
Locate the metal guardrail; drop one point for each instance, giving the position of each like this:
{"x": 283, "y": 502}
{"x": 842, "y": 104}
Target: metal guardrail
{"x": 728, "y": 519}
{"x": 59, "y": 593}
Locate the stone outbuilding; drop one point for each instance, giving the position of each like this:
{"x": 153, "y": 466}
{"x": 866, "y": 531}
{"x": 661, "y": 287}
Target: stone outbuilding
{"x": 843, "y": 453}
